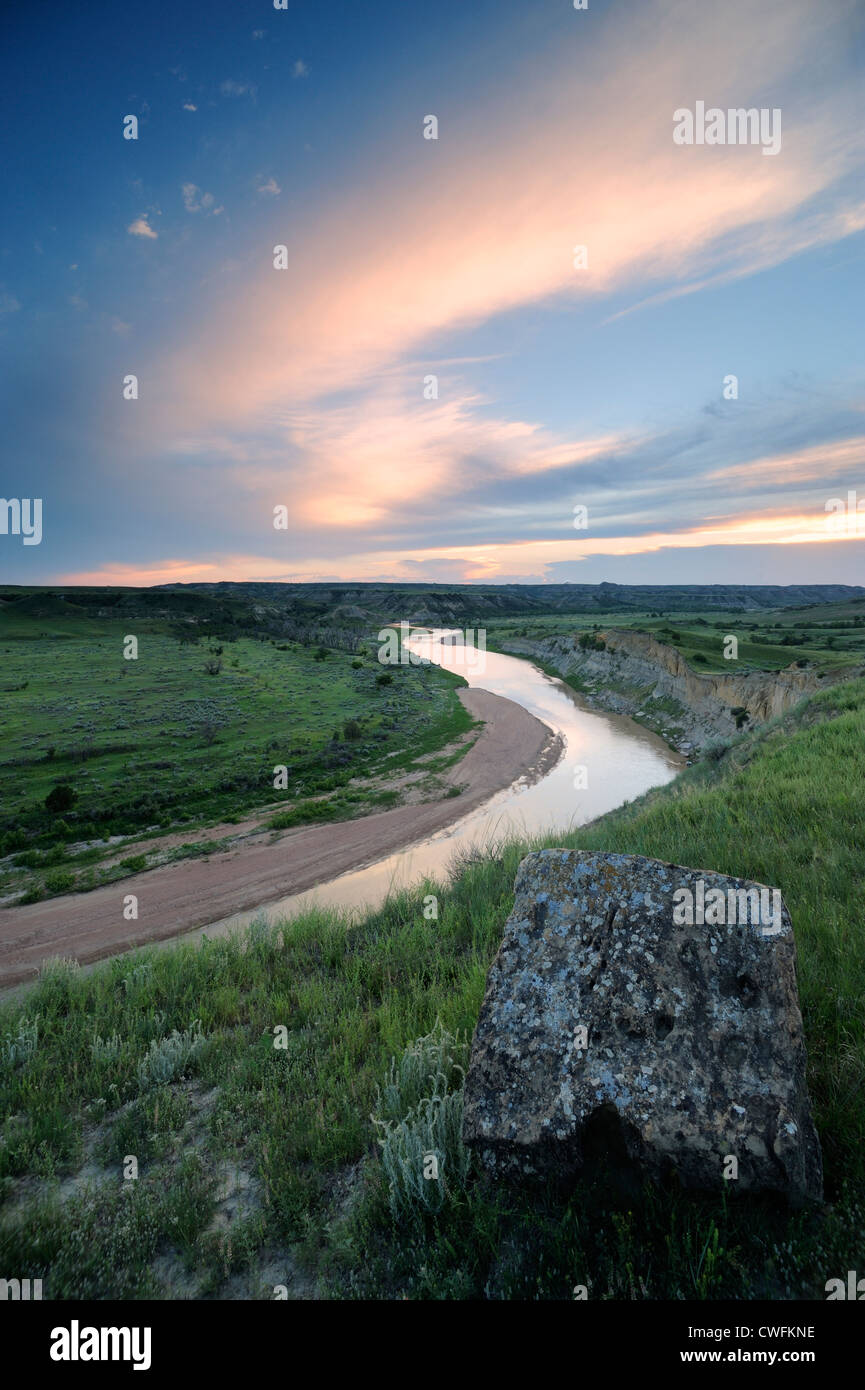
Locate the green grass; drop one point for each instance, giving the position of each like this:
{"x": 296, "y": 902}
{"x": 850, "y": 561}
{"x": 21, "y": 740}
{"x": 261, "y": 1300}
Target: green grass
{"x": 825, "y": 636}
{"x": 156, "y": 744}
{"x": 785, "y": 805}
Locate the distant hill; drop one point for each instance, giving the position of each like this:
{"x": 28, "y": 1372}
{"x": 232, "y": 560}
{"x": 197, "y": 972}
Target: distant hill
{"x": 464, "y": 602}
{"x": 358, "y": 606}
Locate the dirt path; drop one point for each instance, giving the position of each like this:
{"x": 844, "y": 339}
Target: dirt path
{"x": 179, "y": 897}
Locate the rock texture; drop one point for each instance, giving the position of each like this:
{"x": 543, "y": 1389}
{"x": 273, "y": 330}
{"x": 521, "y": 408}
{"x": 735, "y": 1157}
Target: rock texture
{"x": 635, "y": 670}
{"x": 692, "y": 1051}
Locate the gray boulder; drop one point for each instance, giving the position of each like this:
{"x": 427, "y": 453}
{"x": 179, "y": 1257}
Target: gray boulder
{"x": 646, "y": 1014}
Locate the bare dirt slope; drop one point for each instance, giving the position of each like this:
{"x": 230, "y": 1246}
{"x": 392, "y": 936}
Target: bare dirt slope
{"x": 181, "y": 896}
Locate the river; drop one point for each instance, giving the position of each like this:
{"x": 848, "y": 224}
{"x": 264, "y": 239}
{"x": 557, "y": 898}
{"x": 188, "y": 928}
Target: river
{"x": 608, "y": 760}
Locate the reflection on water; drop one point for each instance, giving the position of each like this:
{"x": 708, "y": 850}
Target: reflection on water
{"x": 608, "y": 760}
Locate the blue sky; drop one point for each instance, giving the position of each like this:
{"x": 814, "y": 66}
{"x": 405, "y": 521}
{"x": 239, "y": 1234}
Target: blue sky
{"x": 557, "y": 386}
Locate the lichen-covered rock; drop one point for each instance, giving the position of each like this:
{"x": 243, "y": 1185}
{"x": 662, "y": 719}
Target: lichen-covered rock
{"x": 647, "y": 1012}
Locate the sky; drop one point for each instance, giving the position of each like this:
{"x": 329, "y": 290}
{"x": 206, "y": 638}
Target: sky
{"x": 436, "y": 384}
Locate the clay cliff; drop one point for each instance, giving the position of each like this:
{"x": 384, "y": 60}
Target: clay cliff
{"x": 635, "y": 674}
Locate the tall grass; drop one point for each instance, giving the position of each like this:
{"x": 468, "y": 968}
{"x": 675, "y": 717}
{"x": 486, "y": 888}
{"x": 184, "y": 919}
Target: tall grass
{"x": 784, "y": 805}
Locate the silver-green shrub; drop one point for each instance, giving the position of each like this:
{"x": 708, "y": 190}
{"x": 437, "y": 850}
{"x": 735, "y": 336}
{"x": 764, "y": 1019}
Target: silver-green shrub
{"x": 167, "y": 1059}
{"x": 427, "y": 1067}
{"x": 420, "y": 1111}
{"x": 106, "y": 1049}
{"x": 20, "y": 1046}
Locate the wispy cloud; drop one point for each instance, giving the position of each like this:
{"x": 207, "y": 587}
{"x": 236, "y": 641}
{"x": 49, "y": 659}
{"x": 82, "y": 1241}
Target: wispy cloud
{"x": 267, "y": 185}
{"x": 196, "y": 201}
{"x": 821, "y": 463}
{"x": 491, "y": 224}
{"x": 231, "y": 88}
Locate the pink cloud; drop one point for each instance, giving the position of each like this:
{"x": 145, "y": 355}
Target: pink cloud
{"x": 492, "y": 223}
{"x": 820, "y": 462}
{"x": 360, "y": 463}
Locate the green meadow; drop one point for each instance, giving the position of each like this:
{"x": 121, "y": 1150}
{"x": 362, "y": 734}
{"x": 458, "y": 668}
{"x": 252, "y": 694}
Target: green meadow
{"x": 187, "y": 735}
{"x": 276, "y": 1089}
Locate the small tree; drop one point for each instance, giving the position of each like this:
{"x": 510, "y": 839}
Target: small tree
{"x": 60, "y": 799}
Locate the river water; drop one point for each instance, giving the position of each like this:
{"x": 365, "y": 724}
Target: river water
{"x": 608, "y": 760}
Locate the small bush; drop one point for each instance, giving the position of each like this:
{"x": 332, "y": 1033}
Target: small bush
{"x": 134, "y": 863}
{"x": 60, "y": 799}
{"x": 59, "y": 881}
{"x": 714, "y": 752}
{"x": 352, "y": 730}
{"x": 384, "y": 678}
{"x": 420, "y": 1111}
{"x": 433, "y": 1131}
{"x": 20, "y": 1046}
{"x": 167, "y": 1059}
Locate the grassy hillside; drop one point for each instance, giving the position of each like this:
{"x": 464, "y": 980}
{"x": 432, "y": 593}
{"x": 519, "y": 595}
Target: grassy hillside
{"x": 258, "y": 1164}
{"x": 187, "y": 734}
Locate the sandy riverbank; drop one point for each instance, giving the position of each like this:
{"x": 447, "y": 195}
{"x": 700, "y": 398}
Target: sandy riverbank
{"x": 180, "y": 897}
